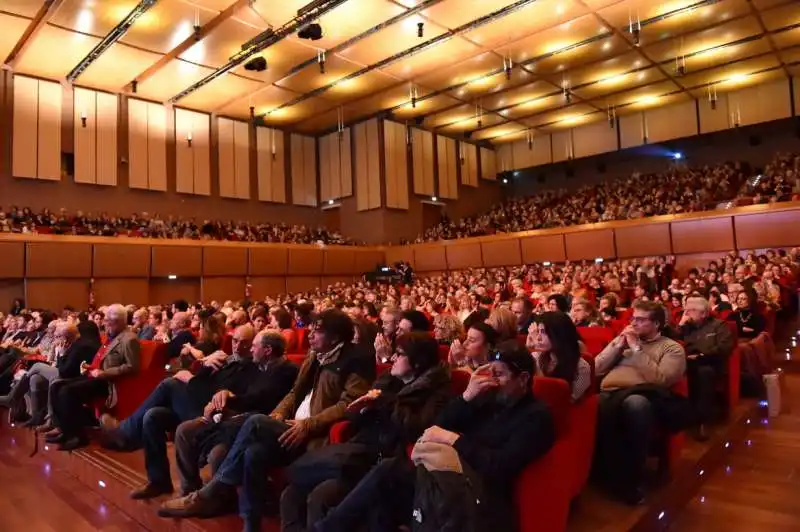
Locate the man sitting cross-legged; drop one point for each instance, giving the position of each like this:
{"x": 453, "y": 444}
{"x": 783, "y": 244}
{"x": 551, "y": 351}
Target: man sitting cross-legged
{"x": 205, "y": 437}
{"x": 177, "y": 399}
{"x": 335, "y": 373}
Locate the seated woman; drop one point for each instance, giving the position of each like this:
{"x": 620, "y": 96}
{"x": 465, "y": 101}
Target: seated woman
{"x": 749, "y": 320}
{"x": 474, "y": 352}
{"x": 447, "y": 328}
{"x": 504, "y": 322}
{"x": 584, "y": 314}
{"x": 393, "y": 414}
{"x": 557, "y": 352}
{"x": 281, "y": 320}
{"x": 608, "y": 307}
{"x": 210, "y": 340}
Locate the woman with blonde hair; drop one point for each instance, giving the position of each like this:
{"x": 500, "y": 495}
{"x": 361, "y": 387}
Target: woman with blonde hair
{"x": 504, "y": 322}
{"x": 446, "y": 328}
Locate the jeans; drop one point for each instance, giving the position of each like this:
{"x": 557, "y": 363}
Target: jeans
{"x": 702, "y": 382}
{"x": 301, "y": 510}
{"x": 624, "y": 439}
{"x": 255, "y": 450}
{"x": 163, "y": 410}
{"x": 187, "y": 454}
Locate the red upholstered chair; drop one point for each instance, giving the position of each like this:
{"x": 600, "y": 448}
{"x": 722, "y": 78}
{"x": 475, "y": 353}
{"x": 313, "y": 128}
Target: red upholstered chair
{"x": 596, "y": 338}
{"x": 296, "y": 358}
{"x": 459, "y": 380}
{"x": 227, "y": 344}
{"x": 132, "y": 390}
{"x": 301, "y": 344}
{"x": 444, "y": 352}
{"x": 618, "y": 325}
{"x": 522, "y": 339}
{"x": 670, "y": 446}
{"x": 583, "y": 430}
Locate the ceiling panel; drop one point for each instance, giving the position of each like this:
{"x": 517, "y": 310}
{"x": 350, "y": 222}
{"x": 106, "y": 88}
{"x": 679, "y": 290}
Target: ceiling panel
{"x": 54, "y": 52}
{"x": 170, "y": 22}
{"x": 220, "y": 93}
{"x": 25, "y": 8}
{"x": 310, "y": 78}
{"x": 528, "y": 92}
{"x": 264, "y": 100}
{"x": 498, "y": 131}
{"x": 13, "y": 28}
{"x": 449, "y": 52}
{"x": 170, "y": 80}
{"x": 95, "y": 18}
{"x": 390, "y": 41}
{"x": 112, "y": 70}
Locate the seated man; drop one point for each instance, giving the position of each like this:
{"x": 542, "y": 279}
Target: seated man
{"x": 333, "y": 375}
{"x": 203, "y": 436}
{"x": 118, "y": 357}
{"x": 637, "y": 368}
{"x": 180, "y": 334}
{"x": 496, "y": 427}
{"x": 522, "y": 307}
{"x": 709, "y": 343}
{"x": 177, "y": 399}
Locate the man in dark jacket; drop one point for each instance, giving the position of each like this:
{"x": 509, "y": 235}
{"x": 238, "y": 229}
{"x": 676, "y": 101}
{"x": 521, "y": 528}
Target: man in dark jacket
{"x": 179, "y": 398}
{"x": 207, "y": 436}
{"x": 708, "y": 343}
{"x": 181, "y": 334}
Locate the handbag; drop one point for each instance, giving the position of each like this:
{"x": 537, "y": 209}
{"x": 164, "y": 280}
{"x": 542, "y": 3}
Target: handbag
{"x": 342, "y": 461}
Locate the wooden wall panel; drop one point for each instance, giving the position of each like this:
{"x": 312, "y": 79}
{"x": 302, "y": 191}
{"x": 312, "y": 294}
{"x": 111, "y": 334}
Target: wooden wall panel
{"x": 462, "y": 256}
{"x": 501, "y": 253}
{"x": 339, "y": 262}
{"x": 367, "y": 260}
{"x": 57, "y": 293}
{"x": 469, "y": 164}
{"x": 336, "y": 176}
{"x": 796, "y": 94}
{"x": 49, "y": 131}
{"x": 262, "y": 287}
{"x": 302, "y": 284}
{"x": 671, "y": 122}
{"x": 305, "y": 261}
{"x": 137, "y": 144}
{"x": 430, "y": 258}
{"x": 165, "y": 291}
{"x": 58, "y": 260}
{"x": 545, "y": 248}
{"x": 267, "y": 261}
{"x": 396, "y": 165}
{"x": 271, "y": 165}
{"x": 227, "y": 165}
{"x": 631, "y": 130}
{"x": 422, "y": 157}
{"x": 241, "y": 147}
{"x": 107, "y": 108}
{"x": 714, "y": 119}
{"x": 193, "y": 163}
{"x": 561, "y": 145}
{"x": 396, "y": 254}
{"x": 766, "y": 230}
{"x": 11, "y": 289}
{"x": 761, "y": 103}
{"x": 644, "y": 240}
{"x": 123, "y": 291}
{"x": 374, "y": 175}
{"x": 183, "y": 261}
{"x": 346, "y": 163}
{"x": 595, "y": 138}
{"x": 120, "y": 260}
{"x": 542, "y": 150}
{"x": 222, "y": 288}
{"x": 488, "y": 164}
{"x": 304, "y": 170}
{"x": 708, "y": 234}
{"x": 224, "y": 261}
{"x": 505, "y": 157}
{"x": 329, "y": 280}
{"x": 367, "y": 165}
{"x": 85, "y": 137}
{"x": 13, "y": 264}
{"x": 590, "y": 244}
{"x": 157, "y": 147}
{"x": 24, "y": 160}
{"x": 448, "y": 176}
{"x": 516, "y": 155}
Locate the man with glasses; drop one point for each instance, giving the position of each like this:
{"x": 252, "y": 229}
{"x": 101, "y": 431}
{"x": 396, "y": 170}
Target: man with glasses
{"x": 637, "y": 369}
{"x": 709, "y": 343}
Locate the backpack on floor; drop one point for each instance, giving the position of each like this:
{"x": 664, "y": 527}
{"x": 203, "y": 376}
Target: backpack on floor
{"x": 445, "y": 501}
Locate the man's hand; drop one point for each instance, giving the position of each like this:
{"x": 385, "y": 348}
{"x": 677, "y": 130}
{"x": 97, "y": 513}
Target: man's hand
{"x": 480, "y": 381}
{"x": 693, "y": 357}
{"x": 220, "y": 399}
{"x": 748, "y": 329}
{"x": 364, "y": 401}
{"x": 186, "y": 349}
{"x": 295, "y": 435}
{"x": 208, "y": 411}
{"x": 383, "y": 349}
{"x": 96, "y": 373}
{"x": 276, "y": 416}
{"x": 215, "y": 360}
{"x": 684, "y": 320}
{"x": 436, "y": 434}
{"x": 631, "y": 338}
{"x": 184, "y": 376}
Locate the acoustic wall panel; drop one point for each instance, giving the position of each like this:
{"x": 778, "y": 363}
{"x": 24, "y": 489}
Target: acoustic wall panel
{"x": 157, "y": 147}
{"x": 522, "y": 153}
{"x": 505, "y": 157}
{"x": 49, "y": 131}
{"x": 671, "y": 122}
{"x": 304, "y": 170}
{"x": 271, "y": 165}
{"x": 631, "y": 130}
{"x": 36, "y": 141}
{"x": 137, "y": 144}
{"x": 761, "y": 103}
{"x": 448, "y": 172}
{"x": 468, "y": 155}
{"x": 396, "y": 164}
{"x": 367, "y": 165}
{"x": 192, "y": 160}
{"x": 488, "y": 164}
{"x": 593, "y": 139}
{"x": 422, "y": 158}
{"x": 147, "y": 145}
{"x": 95, "y": 133}
{"x": 225, "y": 147}
{"x": 107, "y": 114}
{"x": 714, "y": 119}
{"x": 562, "y": 145}
{"x": 241, "y": 159}
{"x": 336, "y": 176}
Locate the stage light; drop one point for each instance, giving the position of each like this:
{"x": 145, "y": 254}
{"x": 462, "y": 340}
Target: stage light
{"x": 172, "y": 277}
{"x": 311, "y": 32}
{"x": 330, "y": 202}
{"x": 420, "y": 29}
{"x": 434, "y": 198}
{"x": 677, "y": 156}
{"x": 546, "y": 263}
{"x": 257, "y": 64}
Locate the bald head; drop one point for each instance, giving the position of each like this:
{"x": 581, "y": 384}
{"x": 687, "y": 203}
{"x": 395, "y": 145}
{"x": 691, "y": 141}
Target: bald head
{"x": 180, "y": 320}
{"x": 239, "y": 318}
{"x": 242, "y": 340}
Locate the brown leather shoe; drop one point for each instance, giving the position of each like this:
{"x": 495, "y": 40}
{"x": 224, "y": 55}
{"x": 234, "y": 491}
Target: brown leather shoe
{"x": 150, "y": 491}
{"x": 47, "y": 427}
{"x": 109, "y": 422}
{"x": 52, "y": 433}
{"x": 193, "y": 505}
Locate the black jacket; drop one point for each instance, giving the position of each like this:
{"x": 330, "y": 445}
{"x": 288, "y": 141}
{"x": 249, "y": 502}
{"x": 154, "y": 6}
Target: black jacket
{"x": 712, "y": 338}
{"x": 402, "y": 412}
{"x": 233, "y": 376}
{"x": 176, "y": 344}
{"x": 750, "y": 319}
{"x": 266, "y": 389}
{"x": 69, "y": 363}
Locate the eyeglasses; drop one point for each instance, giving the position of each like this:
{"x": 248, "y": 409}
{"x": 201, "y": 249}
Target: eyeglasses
{"x": 639, "y": 319}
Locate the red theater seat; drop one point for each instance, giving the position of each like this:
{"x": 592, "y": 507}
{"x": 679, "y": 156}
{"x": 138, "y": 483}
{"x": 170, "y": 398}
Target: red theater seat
{"x": 596, "y": 338}
{"x": 444, "y": 352}
{"x": 301, "y": 341}
{"x": 132, "y": 390}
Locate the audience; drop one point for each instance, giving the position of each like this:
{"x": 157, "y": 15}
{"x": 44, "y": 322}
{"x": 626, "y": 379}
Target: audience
{"x": 475, "y": 350}
{"x": 556, "y": 348}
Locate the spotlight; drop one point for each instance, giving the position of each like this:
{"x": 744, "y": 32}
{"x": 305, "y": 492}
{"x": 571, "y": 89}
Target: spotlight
{"x": 637, "y": 36}
{"x": 681, "y": 70}
{"x": 714, "y": 104}
{"x": 420, "y": 29}
{"x": 257, "y": 64}
{"x": 134, "y": 86}
{"x": 311, "y": 32}
{"x": 330, "y": 202}
{"x": 434, "y": 198}
{"x": 568, "y": 96}
{"x": 505, "y": 181}
{"x": 677, "y": 156}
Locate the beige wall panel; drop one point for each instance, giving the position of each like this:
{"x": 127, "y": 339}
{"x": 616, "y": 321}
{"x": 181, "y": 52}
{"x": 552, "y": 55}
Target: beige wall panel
{"x": 268, "y": 260}
{"x": 361, "y": 158}
{"x": 271, "y": 165}
{"x": 26, "y": 124}
{"x": 157, "y": 147}
{"x": 523, "y": 154}
{"x": 501, "y": 253}
{"x": 671, "y": 122}
{"x": 422, "y": 158}
{"x": 562, "y": 145}
{"x": 298, "y": 163}
{"x": 469, "y": 164}
{"x": 714, "y": 119}
{"x": 505, "y": 157}
{"x": 85, "y": 104}
{"x": 107, "y": 106}
{"x": 368, "y": 175}
{"x": 201, "y": 151}
{"x": 488, "y": 164}
{"x": 542, "y": 150}
{"x": 631, "y": 130}
{"x": 241, "y": 146}
{"x": 590, "y": 244}
{"x": 303, "y": 170}
{"x": 374, "y": 165}
{"x": 709, "y": 234}
{"x": 49, "y": 133}
{"x": 594, "y": 138}
{"x": 346, "y": 164}
{"x": 137, "y": 144}
{"x": 396, "y": 164}
{"x": 761, "y": 103}
{"x": 310, "y": 171}
{"x": 796, "y": 94}
{"x": 448, "y": 176}
{"x": 184, "y": 154}
{"x": 327, "y": 166}
{"x": 227, "y": 178}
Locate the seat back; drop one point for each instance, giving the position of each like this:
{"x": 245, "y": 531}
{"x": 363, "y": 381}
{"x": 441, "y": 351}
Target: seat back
{"x": 444, "y": 352}
{"x": 733, "y": 329}
{"x": 227, "y": 343}
{"x": 557, "y": 395}
{"x": 522, "y": 339}
{"x": 301, "y": 340}
{"x": 596, "y": 338}
{"x": 459, "y": 379}
{"x": 296, "y": 358}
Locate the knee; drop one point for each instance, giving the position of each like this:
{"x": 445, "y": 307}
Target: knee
{"x": 706, "y": 373}
{"x": 636, "y": 405}
{"x": 184, "y": 432}
{"x": 216, "y": 456}
{"x": 325, "y": 495}
{"x": 153, "y": 419}
{"x": 37, "y": 382}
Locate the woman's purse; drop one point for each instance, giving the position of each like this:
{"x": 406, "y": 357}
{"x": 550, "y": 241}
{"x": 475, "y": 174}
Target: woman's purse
{"x": 341, "y": 461}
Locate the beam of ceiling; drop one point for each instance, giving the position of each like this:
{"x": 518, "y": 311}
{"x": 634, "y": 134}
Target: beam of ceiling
{"x": 187, "y": 43}
{"x": 45, "y": 11}
{"x": 305, "y": 15}
{"x": 757, "y": 15}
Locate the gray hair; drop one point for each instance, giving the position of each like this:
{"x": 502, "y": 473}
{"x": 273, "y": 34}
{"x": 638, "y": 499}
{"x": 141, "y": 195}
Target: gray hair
{"x": 701, "y": 302}
{"x": 117, "y": 312}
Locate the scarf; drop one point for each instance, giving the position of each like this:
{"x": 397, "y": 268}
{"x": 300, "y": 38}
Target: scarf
{"x": 331, "y": 356}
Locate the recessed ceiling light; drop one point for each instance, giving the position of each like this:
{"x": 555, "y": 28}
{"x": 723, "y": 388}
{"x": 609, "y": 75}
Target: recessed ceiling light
{"x": 607, "y": 45}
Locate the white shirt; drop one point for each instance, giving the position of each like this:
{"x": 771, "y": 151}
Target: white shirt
{"x": 304, "y": 410}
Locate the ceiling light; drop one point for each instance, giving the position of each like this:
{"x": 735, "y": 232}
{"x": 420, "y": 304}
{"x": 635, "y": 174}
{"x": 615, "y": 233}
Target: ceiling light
{"x": 647, "y": 100}
{"x": 573, "y": 119}
{"x": 737, "y": 78}
{"x": 607, "y": 45}
{"x": 321, "y": 61}
{"x": 611, "y": 80}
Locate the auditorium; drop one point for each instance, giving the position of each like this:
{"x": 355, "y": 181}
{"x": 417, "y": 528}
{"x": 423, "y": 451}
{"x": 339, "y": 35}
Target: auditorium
{"x": 399, "y": 265}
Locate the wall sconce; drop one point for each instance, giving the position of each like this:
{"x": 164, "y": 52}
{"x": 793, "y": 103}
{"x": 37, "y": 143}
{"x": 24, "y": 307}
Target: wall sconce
{"x": 189, "y": 139}
{"x": 83, "y": 118}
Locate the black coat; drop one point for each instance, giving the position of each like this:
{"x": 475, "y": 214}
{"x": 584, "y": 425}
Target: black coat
{"x": 81, "y": 350}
